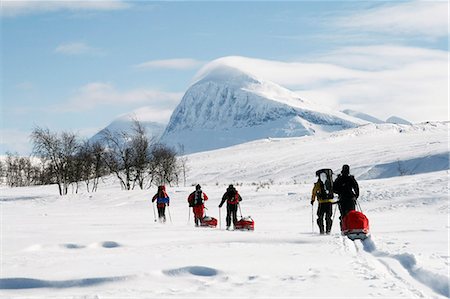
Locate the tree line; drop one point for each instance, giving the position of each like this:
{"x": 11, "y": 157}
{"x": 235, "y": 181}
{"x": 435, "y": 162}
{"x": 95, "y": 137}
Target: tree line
{"x": 136, "y": 160}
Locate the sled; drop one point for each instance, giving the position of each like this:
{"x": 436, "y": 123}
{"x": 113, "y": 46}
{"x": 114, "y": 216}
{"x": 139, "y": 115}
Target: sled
{"x": 208, "y": 221}
{"x": 245, "y": 223}
{"x": 355, "y": 226}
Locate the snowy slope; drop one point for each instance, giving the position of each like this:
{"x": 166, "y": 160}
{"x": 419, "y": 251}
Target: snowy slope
{"x": 373, "y": 151}
{"x": 125, "y": 123}
{"x": 227, "y": 106}
{"x": 363, "y": 116}
{"x": 107, "y": 245}
{"x": 398, "y": 120}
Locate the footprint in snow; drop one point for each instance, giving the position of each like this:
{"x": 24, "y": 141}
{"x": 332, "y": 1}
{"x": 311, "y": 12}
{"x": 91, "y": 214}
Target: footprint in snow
{"x": 192, "y": 270}
{"x": 72, "y": 246}
{"x": 109, "y": 244}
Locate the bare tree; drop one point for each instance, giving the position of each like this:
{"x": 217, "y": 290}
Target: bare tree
{"x": 92, "y": 167}
{"x": 140, "y": 145}
{"x": 182, "y": 161}
{"x": 163, "y": 165}
{"x": 59, "y": 151}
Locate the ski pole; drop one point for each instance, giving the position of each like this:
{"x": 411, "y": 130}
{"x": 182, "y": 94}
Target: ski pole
{"x": 170, "y": 217}
{"x": 312, "y": 219}
{"x": 189, "y": 215}
{"x": 220, "y": 220}
{"x": 334, "y": 214}
{"x": 240, "y": 212}
{"x": 154, "y": 213}
{"x": 357, "y": 202}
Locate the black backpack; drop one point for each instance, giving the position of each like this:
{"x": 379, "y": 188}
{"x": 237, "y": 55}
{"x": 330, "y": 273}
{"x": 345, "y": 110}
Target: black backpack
{"x": 198, "y": 198}
{"x": 326, "y": 188}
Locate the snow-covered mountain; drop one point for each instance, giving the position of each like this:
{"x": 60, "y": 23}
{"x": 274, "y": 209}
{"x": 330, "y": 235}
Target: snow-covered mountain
{"x": 398, "y": 120}
{"x": 363, "y": 116}
{"x": 227, "y": 106}
{"x": 124, "y": 123}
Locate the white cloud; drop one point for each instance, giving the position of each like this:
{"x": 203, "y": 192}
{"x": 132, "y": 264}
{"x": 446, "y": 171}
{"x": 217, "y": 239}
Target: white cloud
{"x": 152, "y": 114}
{"x": 177, "y": 64}
{"x": 383, "y": 81}
{"x": 75, "y": 48}
{"x": 427, "y": 18}
{"x": 98, "y": 94}
{"x": 13, "y": 8}
{"x": 13, "y": 140}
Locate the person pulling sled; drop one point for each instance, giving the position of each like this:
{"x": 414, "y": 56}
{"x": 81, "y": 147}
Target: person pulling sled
{"x": 196, "y": 200}
{"x": 162, "y": 199}
{"x": 323, "y": 191}
{"x": 232, "y": 197}
{"x": 354, "y": 224}
{"x": 347, "y": 189}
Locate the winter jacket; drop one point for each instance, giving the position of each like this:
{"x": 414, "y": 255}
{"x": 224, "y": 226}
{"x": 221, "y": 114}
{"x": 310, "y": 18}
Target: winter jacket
{"x": 346, "y": 187}
{"x": 161, "y": 197}
{"x": 192, "y": 197}
{"x": 232, "y": 197}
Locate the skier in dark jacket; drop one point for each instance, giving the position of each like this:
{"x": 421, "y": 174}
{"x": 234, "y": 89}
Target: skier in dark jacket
{"x": 162, "y": 199}
{"x": 232, "y": 198}
{"x": 347, "y": 188}
{"x": 196, "y": 200}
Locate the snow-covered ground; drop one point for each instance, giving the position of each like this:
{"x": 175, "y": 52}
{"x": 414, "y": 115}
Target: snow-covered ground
{"x": 107, "y": 244}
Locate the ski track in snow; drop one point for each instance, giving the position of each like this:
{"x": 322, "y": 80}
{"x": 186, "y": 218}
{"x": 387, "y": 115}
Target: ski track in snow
{"x": 438, "y": 283}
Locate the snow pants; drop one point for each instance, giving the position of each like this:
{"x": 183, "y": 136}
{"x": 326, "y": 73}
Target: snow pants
{"x": 198, "y": 213}
{"x": 325, "y": 209}
{"x": 231, "y": 212}
{"x": 162, "y": 213}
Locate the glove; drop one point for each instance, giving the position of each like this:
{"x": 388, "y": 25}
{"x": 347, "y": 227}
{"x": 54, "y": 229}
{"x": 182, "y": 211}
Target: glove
{"x": 312, "y": 202}
{"x": 220, "y": 206}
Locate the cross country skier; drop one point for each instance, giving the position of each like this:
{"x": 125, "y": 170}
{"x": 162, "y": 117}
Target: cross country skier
{"x": 162, "y": 199}
{"x": 347, "y": 188}
{"x": 325, "y": 203}
{"x": 196, "y": 200}
{"x": 232, "y": 198}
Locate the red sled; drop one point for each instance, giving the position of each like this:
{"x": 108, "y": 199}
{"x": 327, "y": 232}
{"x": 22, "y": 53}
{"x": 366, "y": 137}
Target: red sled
{"x": 355, "y": 226}
{"x": 245, "y": 223}
{"x": 208, "y": 221}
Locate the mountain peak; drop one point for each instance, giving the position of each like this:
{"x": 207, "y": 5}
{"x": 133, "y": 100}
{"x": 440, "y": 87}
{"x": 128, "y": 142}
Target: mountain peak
{"x": 219, "y": 72}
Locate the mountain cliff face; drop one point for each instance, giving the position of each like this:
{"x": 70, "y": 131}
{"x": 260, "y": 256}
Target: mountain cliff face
{"x": 227, "y": 106}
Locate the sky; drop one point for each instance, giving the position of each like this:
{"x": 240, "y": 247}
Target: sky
{"x": 78, "y": 65}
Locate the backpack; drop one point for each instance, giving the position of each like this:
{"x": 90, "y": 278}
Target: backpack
{"x": 326, "y": 188}
{"x": 198, "y": 198}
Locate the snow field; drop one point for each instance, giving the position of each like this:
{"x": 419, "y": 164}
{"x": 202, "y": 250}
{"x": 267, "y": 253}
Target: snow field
{"x": 107, "y": 244}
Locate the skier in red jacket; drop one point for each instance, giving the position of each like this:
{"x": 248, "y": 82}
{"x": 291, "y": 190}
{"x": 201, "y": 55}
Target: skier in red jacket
{"x": 162, "y": 199}
{"x": 196, "y": 200}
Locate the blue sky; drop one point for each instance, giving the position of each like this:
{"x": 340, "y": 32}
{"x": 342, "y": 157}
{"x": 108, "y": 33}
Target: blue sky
{"x": 78, "y": 65}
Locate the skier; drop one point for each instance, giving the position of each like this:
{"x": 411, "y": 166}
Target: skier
{"x": 347, "y": 188}
{"x": 232, "y": 197}
{"x": 196, "y": 200}
{"x": 162, "y": 199}
{"x": 325, "y": 203}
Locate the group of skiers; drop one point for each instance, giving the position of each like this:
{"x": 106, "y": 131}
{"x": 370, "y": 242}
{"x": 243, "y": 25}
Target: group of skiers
{"x": 345, "y": 186}
{"x": 196, "y": 201}
{"x": 347, "y": 189}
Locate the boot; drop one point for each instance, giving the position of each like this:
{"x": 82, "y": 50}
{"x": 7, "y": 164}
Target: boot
{"x": 329, "y": 224}
{"x": 320, "y": 224}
